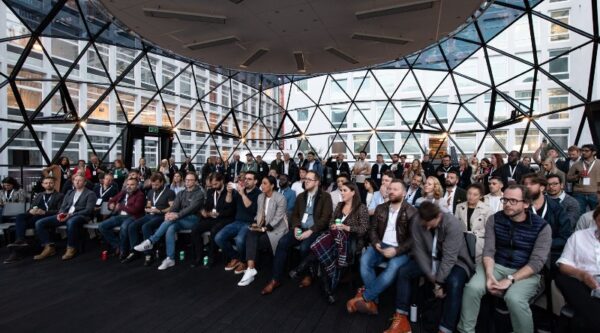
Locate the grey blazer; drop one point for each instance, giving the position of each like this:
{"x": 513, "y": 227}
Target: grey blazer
{"x": 276, "y": 217}
{"x": 83, "y": 207}
{"x": 571, "y": 206}
{"x": 480, "y": 216}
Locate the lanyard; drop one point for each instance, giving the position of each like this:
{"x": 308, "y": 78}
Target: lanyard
{"x": 9, "y": 197}
{"x": 126, "y": 198}
{"x": 543, "y": 211}
{"x": 102, "y": 193}
{"x": 410, "y": 193}
{"x": 339, "y": 165}
{"x": 216, "y": 198}
{"x": 46, "y": 202}
{"x": 94, "y": 167}
{"x": 512, "y": 171}
{"x": 64, "y": 170}
{"x": 586, "y": 170}
{"x": 434, "y": 261}
{"x": 155, "y": 198}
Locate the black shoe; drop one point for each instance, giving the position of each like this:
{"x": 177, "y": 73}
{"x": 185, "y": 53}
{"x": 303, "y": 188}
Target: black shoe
{"x": 12, "y": 258}
{"x": 131, "y": 257}
{"x": 148, "y": 260}
{"x": 18, "y": 243}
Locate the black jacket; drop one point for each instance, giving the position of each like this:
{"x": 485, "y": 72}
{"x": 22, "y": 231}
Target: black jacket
{"x": 265, "y": 170}
{"x": 459, "y": 196}
{"x": 377, "y": 174}
{"x": 54, "y": 202}
{"x": 226, "y": 210}
{"x": 231, "y": 174}
{"x": 343, "y": 167}
{"x": 504, "y": 173}
{"x": 187, "y": 167}
{"x": 293, "y": 171}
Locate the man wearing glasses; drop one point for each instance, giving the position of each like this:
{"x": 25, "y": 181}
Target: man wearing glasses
{"x": 245, "y": 200}
{"x": 585, "y": 174}
{"x": 556, "y": 191}
{"x": 517, "y": 243}
{"x": 183, "y": 215}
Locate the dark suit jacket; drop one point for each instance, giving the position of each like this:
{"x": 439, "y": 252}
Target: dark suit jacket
{"x": 83, "y": 207}
{"x": 344, "y": 167}
{"x": 146, "y": 173}
{"x": 231, "y": 170}
{"x": 321, "y": 213}
{"x": 293, "y": 171}
{"x": 265, "y": 170}
{"x": 414, "y": 198}
{"x": 187, "y": 167}
{"x": 465, "y": 178}
{"x": 459, "y": 196}
{"x": 442, "y": 177}
{"x": 504, "y": 172}
{"x": 226, "y": 210}
{"x": 375, "y": 172}
{"x": 53, "y": 204}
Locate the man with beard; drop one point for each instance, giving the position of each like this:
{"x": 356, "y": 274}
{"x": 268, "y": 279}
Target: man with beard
{"x": 585, "y": 178}
{"x": 414, "y": 190}
{"x": 288, "y": 193}
{"x": 288, "y": 167}
{"x": 427, "y": 166}
{"x": 234, "y": 169}
{"x": 360, "y": 171}
{"x": 516, "y": 247}
{"x": 127, "y": 206}
{"x": 97, "y": 169}
{"x": 454, "y": 194}
{"x": 556, "y": 191}
{"x": 513, "y": 171}
{"x": 396, "y": 167}
{"x": 574, "y": 156}
{"x": 339, "y": 166}
{"x": 443, "y": 169}
{"x": 550, "y": 210}
{"x": 390, "y": 243}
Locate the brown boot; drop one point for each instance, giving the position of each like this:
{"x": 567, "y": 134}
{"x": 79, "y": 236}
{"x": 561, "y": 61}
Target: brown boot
{"x": 400, "y": 324}
{"x": 368, "y": 307}
{"x": 269, "y": 287}
{"x": 69, "y": 254}
{"x": 48, "y": 251}
{"x": 241, "y": 268}
{"x": 351, "y": 304}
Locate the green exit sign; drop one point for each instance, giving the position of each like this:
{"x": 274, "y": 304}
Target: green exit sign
{"x": 153, "y": 129}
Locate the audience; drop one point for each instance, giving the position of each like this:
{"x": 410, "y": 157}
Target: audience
{"x": 585, "y": 178}
{"x": 473, "y": 214}
{"x": 555, "y": 190}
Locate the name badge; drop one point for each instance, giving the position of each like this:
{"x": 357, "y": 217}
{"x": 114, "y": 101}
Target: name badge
{"x": 378, "y": 176}
{"x": 94, "y": 172}
{"x": 123, "y": 213}
{"x": 116, "y": 176}
{"x": 153, "y": 207}
{"x": 510, "y": 179}
{"x": 445, "y": 175}
{"x": 72, "y": 210}
{"x": 214, "y": 210}
{"x": 586, "y": 181}
{"x": 98, "y": 202}
{"x": 66, "y": 176}
{"x": 260, "y": 169}
{"x": 304, "y": 218}
{"x": 337, "y": 172}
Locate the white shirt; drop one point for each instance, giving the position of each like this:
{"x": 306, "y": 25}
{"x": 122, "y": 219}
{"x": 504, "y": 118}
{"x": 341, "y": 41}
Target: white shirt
{"x": 286, "y": 167}
{"x": 336, "y": 197}
{"x": 449, "y": 198}
{"x": 361, "y": 164}
{"x": 75, "y": 199}
{"x": 311, "y": 165}
{"x": 390, "y": 237}
{"x": 494, "y": 203}
{"x": 409, "y": 195}
{"x": 582, "y": 251}
{"x": 267, "y": 200}
{"x": 297, "y": 187}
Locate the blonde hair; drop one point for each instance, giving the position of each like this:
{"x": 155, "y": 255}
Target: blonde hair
{"x": 438, "y": 191}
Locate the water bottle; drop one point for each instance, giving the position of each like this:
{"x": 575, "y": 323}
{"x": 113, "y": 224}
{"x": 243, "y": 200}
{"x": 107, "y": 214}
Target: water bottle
{"x": 181, "y": 255}
{"x": 338, "y": 221}
{"x": 413, "y": 313}
{"x": 298, "y": 232}
{"x": 205, "y": 261}
{"x": 157, "y": 254}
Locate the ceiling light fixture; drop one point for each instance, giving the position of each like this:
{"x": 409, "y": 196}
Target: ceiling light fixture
{"x": 300, "y": 65}
{"x": 398, "y": 9}
{"x": 259, "y": 53}
{"x": 82, "y": 123}
{"x": 341, "y": 55}
{"x": 382, "y": 39}
{"x": 185, "y": 16}
{"x": 212, "y": 43}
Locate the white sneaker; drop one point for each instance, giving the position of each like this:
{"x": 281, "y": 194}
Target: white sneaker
{"x": 168, "y": 262}
{"x": 248, "y": 277}
{"x": 144, "y": 246}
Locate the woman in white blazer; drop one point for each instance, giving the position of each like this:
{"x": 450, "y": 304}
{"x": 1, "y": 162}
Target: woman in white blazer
{"x": 271, "y": 224}
{"x": 474, "y": 213}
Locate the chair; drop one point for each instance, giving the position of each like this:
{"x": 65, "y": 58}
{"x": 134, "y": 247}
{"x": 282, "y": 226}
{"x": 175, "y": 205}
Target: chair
{"x": 12, "y": 209}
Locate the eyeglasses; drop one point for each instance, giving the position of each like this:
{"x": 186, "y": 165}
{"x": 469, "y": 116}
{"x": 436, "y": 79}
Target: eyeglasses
{"x": 510, "y": 201}
{"x": 309, "y": 180}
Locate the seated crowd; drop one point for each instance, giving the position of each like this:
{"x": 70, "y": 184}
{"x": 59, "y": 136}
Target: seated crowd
{"x": 464, "y": 230}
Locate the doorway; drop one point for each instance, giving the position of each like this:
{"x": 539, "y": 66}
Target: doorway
{"x": 149, "y": 142}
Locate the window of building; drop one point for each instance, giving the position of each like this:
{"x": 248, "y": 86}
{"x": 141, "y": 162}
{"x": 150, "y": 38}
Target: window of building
{"x": 559, "y": 67}
{"x": 558, "y": 98}
{"x": 531, "y": 142}
{"x": 466, "y": 141}
{"x": 385, "y": 141}
{"x": 560, "y": 136}
{"x": 491, "y": 146}
{"x": 386, "y": 114}
{"x": 338, "y": 89}
{"x": 146, "y": 73}
{"x": 168, "y": 72}
{"x": 72, "y": 149}
{"x": 302, "y": 115}
{"x": 558, "y": 33}
{"x": 361, "y": 142}
{"x": 338, "y": 116}
{"x": 524, "y": 99}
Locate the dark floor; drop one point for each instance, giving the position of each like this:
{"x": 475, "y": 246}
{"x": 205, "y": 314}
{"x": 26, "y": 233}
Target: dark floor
{"x": 92, "y": 295}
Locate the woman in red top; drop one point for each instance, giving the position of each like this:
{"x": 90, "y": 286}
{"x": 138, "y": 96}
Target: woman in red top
{"x": 81, "y": 165}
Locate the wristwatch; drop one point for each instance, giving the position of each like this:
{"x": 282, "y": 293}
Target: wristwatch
{"x": 511, "y": 278}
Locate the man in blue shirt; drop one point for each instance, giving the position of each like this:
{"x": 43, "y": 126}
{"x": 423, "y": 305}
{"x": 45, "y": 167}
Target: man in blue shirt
{"x": 288, "y": 193}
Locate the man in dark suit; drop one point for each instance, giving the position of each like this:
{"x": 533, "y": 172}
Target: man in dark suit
{"x": 564, "y": 166}
{"x": 145, "y": 171}
{"x": 397, "y": 167}
{"x": 76, "y": 210}
{"x": 263, "y": 168}
{"x": 289, "y": 167}
{"x": 276, "y": 163}
{"x": 338, "y": 166}
{"x": 378, "y": 169}
{"x": 413, "y": 192}
{"x": 427, "y": 166}
{"x": 216, "y": 214}
{"x": 234, "y": 169}
{"x": 512, "y": 171}
{"x": 444, "y": 169}
{"x": 453, "y": 194}
{"x": 187, "y": 166}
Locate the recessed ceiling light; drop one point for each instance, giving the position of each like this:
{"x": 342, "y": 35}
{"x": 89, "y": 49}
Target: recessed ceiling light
{"x": 211, "y": 43}
{"x": 397, "y": 9}
{"x": 382, "y": 39}
{"x": 341, "y": 55}
{"x": 186, "y": 16}
{"x": 259, "y": 53}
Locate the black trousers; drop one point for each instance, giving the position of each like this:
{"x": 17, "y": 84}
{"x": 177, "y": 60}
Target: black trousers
{"x": 362, "y": 191}
{"x": 206, "y": 224}
{"x": 577, "y": 295}
{"x": 255, "y": 241}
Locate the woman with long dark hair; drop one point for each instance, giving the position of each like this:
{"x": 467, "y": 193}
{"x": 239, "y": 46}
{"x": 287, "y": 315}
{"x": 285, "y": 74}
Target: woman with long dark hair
{"x": 332, "y": 249}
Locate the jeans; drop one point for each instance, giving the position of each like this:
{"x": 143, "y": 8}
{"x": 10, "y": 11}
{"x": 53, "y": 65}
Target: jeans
{"x": 284, "y": 245}
{"x": 586, "y": 200}
{"x": 453, "y": 287}
{"x": 73, "y": 224}
{"x": 516, "y": 297}
{"x": 106, "y": 228}
{"x": 375, "y": 285}
{"x": 236, "y": 230}
{"x": 24, "y": 222}
{"x": 171, "y": 228}
{"x": 147, "y": 224}
{"x": 256, "y": 240}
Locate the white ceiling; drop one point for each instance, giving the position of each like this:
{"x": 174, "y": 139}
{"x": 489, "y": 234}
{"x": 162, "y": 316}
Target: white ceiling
{"x": 284, "y": 27}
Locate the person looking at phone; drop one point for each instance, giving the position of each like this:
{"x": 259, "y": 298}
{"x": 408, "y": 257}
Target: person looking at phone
{"x": 245, "y": 200}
